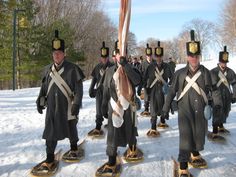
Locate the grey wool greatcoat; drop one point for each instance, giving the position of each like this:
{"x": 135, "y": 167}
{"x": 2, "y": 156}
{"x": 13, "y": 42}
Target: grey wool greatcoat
{"x": 56, "y": 121}
{"x": 191, "y": 120}
{"x": 144, "y": 66}
{"x": 127, "y": 133}
{"x": 157, "y": 97}
{"x": 97, "y": 86}
{"x": 225, "y": 93}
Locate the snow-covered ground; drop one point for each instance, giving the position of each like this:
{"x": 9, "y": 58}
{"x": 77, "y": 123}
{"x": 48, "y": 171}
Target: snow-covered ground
{"x": 21, "y": 146}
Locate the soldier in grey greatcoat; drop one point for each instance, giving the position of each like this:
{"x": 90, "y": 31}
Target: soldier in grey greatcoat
{"x": 96, "y": 88}
{"x": 122, "y": 123}
{"x": 135, "y": 63}
{"x": 172, "y": 65}
{"x": 61, "y": 92}
{"x": 144, "y": 66}
{"x": 156, "y": 78}
{"x": 226, "y": 79}
{"x": 193, "y": 86}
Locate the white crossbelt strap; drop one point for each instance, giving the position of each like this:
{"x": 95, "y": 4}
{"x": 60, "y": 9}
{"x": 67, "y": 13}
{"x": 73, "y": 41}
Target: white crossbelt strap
{"x": 65, "y": 89}
{"x": 223, "y": 80}
{"x": 192, "y": 83}
{"x": 158, "y": 76}
{"x": 52, "y": 81}
{"x": 101, "y": 72}
{"x": 198, "y": 89}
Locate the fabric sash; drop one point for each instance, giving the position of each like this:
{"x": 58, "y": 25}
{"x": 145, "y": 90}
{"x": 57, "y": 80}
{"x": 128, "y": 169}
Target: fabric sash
{"x": 124, "y": 93}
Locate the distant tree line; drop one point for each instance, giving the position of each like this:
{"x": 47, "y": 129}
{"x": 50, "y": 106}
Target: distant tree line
{"x": 84, "y": 25}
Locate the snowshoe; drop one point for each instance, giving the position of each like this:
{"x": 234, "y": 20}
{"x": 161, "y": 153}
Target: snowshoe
{"x": 162, "y": 125}
{"x": 74, "y": 156}
{"x": 109, "y": 171}
{"x": 145, "y": 114}
{"x": 223, "y": 130}
{"x": 133, "y": 156}
{"x": 197, "y": 162}
{"x": 184, "y": 173}
{"x": 96, "y": 133}
{"x": 153, "y": 133}
{"x": 44, "y": 169}
{"x": 177, "y": 172}
{"x": 215, "y": 137}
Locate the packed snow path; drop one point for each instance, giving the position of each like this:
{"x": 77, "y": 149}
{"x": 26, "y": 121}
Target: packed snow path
{"x": 21, "y": 145}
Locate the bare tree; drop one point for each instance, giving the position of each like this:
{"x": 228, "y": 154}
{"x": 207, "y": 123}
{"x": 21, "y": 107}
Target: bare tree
{"x": 77, "y": 11}
{"x": 97, "y": 30}
{"x": 171, "y": 49}
{"x": 227, "y": 25}
{"x": 181, "y": 42}
{"x": 90, "y": 25}
{"x": 132, "y": 44}
{"x": 205, "y": 32}
{"x": 140, "y": 50}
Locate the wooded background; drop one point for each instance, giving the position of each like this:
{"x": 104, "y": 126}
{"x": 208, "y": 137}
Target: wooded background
{"x": 84, "y": 25}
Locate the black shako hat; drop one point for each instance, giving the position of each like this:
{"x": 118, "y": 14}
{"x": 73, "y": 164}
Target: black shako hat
{"x": 116, "y": 50}
{"x": 193, "y": 47}
{"x": 104, "y": 50}
{"x": 57, "y": 43}
{"x": 159, "y": 51}
{"x": 224, "y": 56}
{"x": 148, "y": 50}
